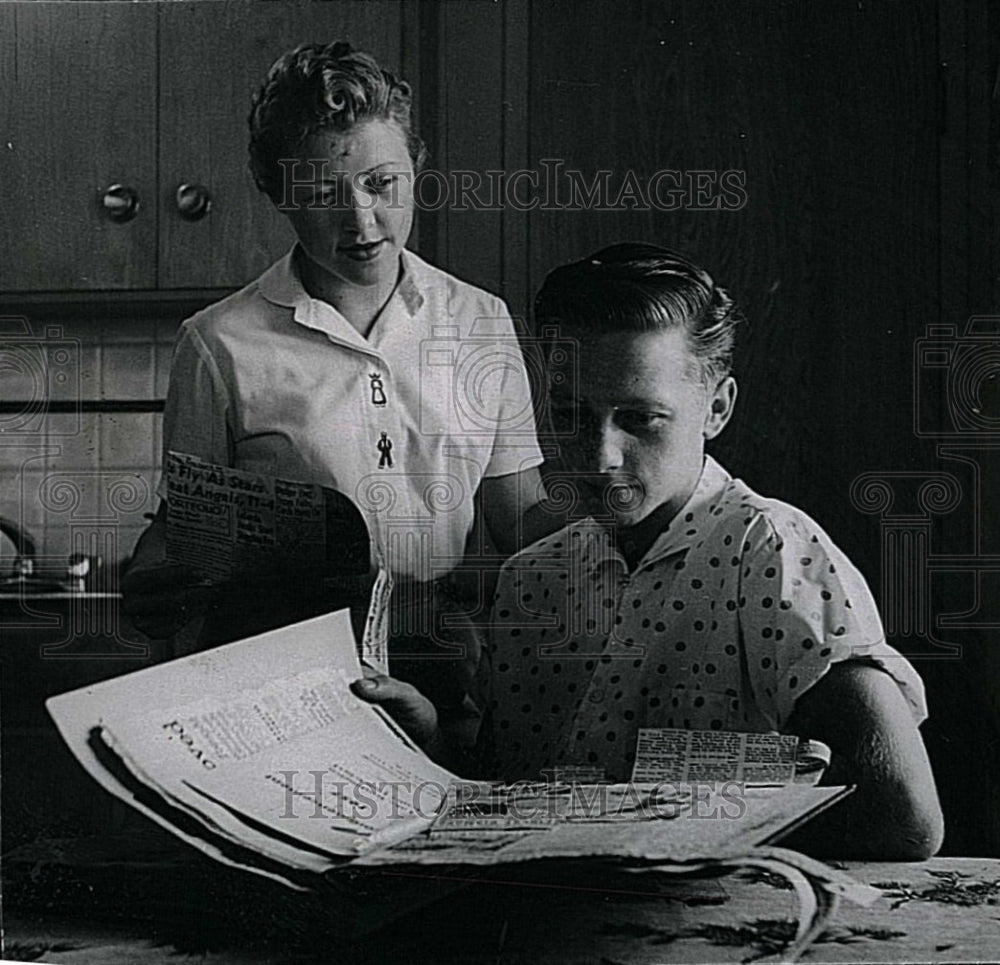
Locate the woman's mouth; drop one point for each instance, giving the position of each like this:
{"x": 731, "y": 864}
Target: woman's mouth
{"x": 362, "y": 251}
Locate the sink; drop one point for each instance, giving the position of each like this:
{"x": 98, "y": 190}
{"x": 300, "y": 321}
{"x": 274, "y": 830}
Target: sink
{"x": 48, "y": 591}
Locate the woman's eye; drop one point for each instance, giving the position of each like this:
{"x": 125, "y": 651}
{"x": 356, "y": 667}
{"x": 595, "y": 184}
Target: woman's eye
{"x": 321, "y": 198}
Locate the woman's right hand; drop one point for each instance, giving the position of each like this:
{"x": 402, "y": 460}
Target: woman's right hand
{"x": 159, "y": 597}
{"x": 161, "y": 600}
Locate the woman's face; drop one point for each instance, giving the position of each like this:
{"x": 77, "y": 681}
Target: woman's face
{"x": 352, "y": 202}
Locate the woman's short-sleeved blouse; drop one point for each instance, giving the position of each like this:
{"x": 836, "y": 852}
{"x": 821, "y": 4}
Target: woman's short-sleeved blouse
{"x": 406, "y": 422}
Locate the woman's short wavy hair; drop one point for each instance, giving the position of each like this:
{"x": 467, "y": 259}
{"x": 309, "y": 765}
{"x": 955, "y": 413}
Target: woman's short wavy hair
{"x": 635, "y": 287}
{"x": 322, "y": 87}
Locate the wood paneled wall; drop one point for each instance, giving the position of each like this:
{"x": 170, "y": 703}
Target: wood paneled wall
{"x": 869, "y": 149}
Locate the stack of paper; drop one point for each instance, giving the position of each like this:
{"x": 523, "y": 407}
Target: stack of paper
{"x": 257, "y": 752}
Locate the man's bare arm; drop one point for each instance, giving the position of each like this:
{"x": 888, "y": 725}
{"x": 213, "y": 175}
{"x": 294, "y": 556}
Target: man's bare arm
{"x": 858, "y": 710}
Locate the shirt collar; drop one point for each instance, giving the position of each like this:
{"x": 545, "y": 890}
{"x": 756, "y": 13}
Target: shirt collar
{"x": 689, "y": 525}
{"x": 409, "y": 287}
{"x": 281, "y": 285}
{"x": 692, "y": 522}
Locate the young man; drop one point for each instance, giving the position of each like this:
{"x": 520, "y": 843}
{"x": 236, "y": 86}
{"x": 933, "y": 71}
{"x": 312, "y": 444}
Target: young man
{"x": 683, "y": 598}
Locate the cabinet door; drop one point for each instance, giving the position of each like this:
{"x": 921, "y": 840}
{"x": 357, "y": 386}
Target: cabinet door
{"x": 77, "y": 114}
{"x": 213, "y": 56}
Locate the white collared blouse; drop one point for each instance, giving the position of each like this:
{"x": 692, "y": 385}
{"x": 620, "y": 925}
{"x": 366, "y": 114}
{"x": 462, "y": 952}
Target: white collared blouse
{"x": 406, "y": 422}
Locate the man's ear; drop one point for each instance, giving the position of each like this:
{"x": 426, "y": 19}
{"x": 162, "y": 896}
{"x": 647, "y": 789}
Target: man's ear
{"x": 720, "y": 408}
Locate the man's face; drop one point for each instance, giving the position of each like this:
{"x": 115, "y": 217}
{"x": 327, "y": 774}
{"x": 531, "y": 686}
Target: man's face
{"x": 641, "y": 414}
{"x": 354, "y": 220}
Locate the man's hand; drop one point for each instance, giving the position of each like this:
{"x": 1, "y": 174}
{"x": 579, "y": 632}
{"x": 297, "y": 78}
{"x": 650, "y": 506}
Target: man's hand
{"x": 406, "y": 705}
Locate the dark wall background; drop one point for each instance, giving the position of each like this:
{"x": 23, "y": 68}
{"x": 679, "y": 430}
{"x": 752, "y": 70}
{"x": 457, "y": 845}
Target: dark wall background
{"x": 868, "y": 136}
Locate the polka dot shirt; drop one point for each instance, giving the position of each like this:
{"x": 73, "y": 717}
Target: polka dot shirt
{"x": 738, "y": 608}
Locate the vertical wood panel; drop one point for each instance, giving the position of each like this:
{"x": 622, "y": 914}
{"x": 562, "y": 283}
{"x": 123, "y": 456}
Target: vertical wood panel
{"x": 870, "y": 213}
{"x": 689, "y": 88}
{"x": 78, "y": 113}
{"x": 954, "y": 172}
{"x": 970, "y": 285}
{"x": 411, "y": 44}
{"x": 515, "y": 269}
{"x": 831, "y": 111}
{"x": 469, "y": 137}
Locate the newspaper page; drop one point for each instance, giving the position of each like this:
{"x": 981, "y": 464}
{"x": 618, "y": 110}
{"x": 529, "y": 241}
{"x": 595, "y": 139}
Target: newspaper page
{"x": 229, "y": 524}
{"x": 649, "y": 822}
{"x": 266, "y": 734}
{"x": 673, "y": 754}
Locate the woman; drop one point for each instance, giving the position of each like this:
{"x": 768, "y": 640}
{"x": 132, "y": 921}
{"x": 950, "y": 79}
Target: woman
{"x": 686, "y": 600}
{"x": 351, "y": 362}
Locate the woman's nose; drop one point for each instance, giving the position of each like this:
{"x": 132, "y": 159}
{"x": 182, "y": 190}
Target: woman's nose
{"x": 360, "y": 211}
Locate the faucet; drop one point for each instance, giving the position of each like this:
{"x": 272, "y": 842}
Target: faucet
{"x": 24, "y": 562}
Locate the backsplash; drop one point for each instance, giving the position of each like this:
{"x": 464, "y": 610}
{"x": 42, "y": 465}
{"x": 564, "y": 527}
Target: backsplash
{"x": 80, "y": 425}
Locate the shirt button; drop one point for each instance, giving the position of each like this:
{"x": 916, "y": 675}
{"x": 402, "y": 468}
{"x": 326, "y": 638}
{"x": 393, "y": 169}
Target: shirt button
{"x": 596, "y": 696}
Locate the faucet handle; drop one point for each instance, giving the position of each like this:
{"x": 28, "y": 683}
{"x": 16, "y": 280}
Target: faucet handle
{"x": 77, "y": 566}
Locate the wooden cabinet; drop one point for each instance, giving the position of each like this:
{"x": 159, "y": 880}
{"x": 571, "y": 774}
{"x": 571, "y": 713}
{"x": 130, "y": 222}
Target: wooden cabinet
{"x": 77, "y": 114}
{"x": 151, "y": 97}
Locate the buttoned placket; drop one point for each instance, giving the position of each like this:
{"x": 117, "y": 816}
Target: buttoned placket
{"x": 592, "y": 701}
{"x": 378, "y": 403}
{"x": 375, "y": 385}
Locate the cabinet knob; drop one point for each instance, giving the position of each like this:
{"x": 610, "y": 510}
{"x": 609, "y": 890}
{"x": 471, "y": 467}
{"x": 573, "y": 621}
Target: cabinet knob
{"x": 119, "y": 202}
{"x": 193, "y": 201}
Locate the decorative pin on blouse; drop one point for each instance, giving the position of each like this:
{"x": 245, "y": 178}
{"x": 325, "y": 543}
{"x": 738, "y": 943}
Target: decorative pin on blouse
{"x": 378, "y": 392}
{"x": 384, "y": 446}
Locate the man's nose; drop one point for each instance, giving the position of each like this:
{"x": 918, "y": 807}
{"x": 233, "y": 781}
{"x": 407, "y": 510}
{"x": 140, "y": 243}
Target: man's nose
{"x": 604, "y": 446}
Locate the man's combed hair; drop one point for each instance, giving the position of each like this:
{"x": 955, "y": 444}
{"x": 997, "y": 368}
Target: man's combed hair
{"x": 322, "y": 87}
{"x": 635, "y": 287}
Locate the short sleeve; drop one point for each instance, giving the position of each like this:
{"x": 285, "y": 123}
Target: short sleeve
{"x": 803, "y": 606}
{"x": 515, "y": 445}
{"x": 195, "y": 418}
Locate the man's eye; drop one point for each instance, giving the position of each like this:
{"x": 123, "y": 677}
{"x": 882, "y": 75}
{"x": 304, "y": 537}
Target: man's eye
{"x": 382, "y": 182}
{"x": 633, "y": 419}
